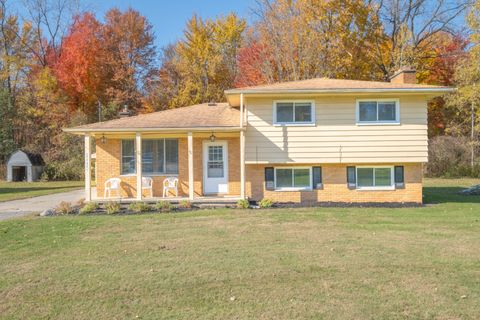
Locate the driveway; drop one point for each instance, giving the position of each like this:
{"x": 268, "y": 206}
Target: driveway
{"x": 20, "y": 208}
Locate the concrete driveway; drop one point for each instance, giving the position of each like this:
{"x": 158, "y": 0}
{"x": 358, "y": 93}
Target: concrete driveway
{"x": 24, "y": 207}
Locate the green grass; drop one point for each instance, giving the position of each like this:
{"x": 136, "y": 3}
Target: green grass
{"x": 22, "y": 190}
{"x": 312, "y": 263}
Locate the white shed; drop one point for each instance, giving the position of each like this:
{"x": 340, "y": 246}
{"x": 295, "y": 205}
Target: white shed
{"x": 24, "y": 166}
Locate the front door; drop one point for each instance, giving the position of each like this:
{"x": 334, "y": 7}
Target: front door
{"x": 215, "y": 167}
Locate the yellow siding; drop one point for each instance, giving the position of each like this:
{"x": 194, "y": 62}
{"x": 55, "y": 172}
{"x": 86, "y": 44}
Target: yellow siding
{"x": 336, "y": 138}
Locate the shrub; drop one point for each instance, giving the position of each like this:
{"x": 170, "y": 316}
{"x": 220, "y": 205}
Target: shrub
{"x": 112, "y": 207}
{"x": 64, "y": 208}
{"x": 185, "y": 204}
{"x": 164, "y": 206}
{"x": 265, "y": 203}
{"x": 243, "y": 204}
{"x": 139, "y": 207}
{"x": 450, "y": 157}
{"x": 89, "y": 208}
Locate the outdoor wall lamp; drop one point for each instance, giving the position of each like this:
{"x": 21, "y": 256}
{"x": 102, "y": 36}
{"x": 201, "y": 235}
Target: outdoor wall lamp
{"x": 212, "y": 137}
{"x": 103, "y": 139}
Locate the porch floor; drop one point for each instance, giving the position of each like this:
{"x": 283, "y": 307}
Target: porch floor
{"x": 196, "y": 200}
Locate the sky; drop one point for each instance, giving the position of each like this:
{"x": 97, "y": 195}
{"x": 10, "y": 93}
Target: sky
{"x": 169, "y": 17}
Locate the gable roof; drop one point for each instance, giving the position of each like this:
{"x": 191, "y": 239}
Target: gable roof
{"x": 327, "y": 84}
{"x": 218, "y": 115}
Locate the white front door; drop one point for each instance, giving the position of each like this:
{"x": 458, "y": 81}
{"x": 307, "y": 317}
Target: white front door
{"x": 215, "y": 167}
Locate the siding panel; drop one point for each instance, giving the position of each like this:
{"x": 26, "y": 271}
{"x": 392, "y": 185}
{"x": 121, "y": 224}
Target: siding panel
{"x": 336, "y": 138}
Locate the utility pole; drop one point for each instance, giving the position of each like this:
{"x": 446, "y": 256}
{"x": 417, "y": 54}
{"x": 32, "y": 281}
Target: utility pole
{"x": 472, "y": 131}
{"x": 99, "y": 109}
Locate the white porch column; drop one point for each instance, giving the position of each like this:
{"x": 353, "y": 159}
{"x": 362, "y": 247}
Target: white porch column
{"x": 242, "y": 164}
{"x": 190, "y": 166}
{"x": 88, "y": 166}
{"x": 138, "y": 163}
{"x": 242, "y": 149}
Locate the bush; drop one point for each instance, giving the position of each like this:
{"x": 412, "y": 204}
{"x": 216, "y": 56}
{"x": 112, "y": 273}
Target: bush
{"x": 265, "y": 203}
{"x": 449, "y": 157}
{"x": 139, "y": 207}
{"x": 185, "y": 204}
{"x": 112, "y": 207}
{"x": 243, "y": 204}
{"x": 89, "y": 208}
{"x": 64, "y": 208}
{"x": 164, "y": 206}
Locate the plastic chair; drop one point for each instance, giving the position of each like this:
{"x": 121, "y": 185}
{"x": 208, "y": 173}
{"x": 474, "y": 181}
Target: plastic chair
{"x": 147, "y": 184}
{"x": 170, "y": 183}
{"x": 112, "y": 184}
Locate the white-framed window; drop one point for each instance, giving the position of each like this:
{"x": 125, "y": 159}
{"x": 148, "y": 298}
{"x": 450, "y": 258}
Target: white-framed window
{"x": 375, "y": 178}
{"x": 293, "y": 178}
{"x": 159, "y": 157}
{"x": 291, "y": 112}
{"x": 378, "y": 111}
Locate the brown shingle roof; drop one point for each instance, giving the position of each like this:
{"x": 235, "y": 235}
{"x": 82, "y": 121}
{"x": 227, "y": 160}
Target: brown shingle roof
{"x": 220, "y": 115}
{"x": 330, "y": 84}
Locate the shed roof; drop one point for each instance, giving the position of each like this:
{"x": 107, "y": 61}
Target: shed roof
{"x": 34, "y": 158}
{"x": 218, "y": 115}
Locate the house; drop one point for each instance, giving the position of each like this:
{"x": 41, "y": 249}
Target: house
{"x": 24, "y": 166}
{"x": 310, "y": 141}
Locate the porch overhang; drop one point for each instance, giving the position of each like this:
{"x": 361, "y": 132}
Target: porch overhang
{"x": 84, "y": 131}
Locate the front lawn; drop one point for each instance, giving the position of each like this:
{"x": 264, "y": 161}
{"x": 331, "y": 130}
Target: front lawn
{"x": 22, "y": 190}
{"x": 312, "y": 263}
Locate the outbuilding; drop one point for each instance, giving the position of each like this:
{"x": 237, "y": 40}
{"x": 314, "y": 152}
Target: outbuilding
{"x": 24, "y": 166}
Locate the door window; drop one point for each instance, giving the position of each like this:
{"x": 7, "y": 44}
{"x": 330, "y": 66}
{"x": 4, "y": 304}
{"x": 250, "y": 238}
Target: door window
{"x": 215, "y": 162}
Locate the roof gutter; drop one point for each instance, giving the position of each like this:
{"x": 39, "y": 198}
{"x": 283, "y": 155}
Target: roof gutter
{"x": 152, "y": 129}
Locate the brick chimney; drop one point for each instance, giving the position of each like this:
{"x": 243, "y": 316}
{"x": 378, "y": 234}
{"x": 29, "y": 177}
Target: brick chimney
{"x": 404, "y": 75}
{"x": 125, "y": 112}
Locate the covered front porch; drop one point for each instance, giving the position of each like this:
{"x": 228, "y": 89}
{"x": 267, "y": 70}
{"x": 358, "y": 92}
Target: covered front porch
{"x": 208, "y": 166}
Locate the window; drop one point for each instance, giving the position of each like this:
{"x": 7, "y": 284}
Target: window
{"x": 380, "y": 111}
{"x": 293, "y": 178}
{"x": 375, "y": 178}
{"x": 294, "y": 113}
{"x": 128, "y": 157}
{"x": 158, "y": 156}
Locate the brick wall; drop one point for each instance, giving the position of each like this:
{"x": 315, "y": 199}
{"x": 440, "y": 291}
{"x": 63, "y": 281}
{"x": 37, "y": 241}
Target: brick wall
{"x": 108, "y": 166}
{"x": 335, "y": 187}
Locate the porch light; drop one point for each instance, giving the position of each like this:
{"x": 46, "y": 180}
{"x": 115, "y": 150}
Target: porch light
{"x": 212, "y": 137}
{"x": 103, "y": 139}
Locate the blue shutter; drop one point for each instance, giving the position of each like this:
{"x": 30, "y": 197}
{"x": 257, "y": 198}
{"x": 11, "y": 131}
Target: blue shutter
{"x": 399, "y": 177}
{"x": 351, "y": 177}
{"x": 317, "y": 182}
{"x": 269, "y": 178}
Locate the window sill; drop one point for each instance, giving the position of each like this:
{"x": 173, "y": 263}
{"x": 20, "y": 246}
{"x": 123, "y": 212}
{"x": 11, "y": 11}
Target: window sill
{"x": 293, "y": 124}
{"x": 392, "y": 188}
{"x": 151, "y": 175}
{"x": 378, "y": 123}
{"x": 293, "y": 189}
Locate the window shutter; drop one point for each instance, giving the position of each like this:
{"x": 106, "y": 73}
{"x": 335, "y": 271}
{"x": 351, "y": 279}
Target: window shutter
{"x": 269, "y": 178}
{"x": 399, "y": 177}
{"x": 317, "y": 182}
{"x": 351, "y": 178}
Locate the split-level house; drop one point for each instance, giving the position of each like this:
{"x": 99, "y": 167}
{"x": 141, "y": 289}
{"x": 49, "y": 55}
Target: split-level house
{"x": 309, "y": 141}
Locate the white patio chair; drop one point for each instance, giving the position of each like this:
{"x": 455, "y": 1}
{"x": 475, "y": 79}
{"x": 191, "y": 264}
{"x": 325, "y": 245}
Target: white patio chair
{"x": 170, "y": 183}
{"x": 112, "y": 184}
{"x": 147, "y": 184}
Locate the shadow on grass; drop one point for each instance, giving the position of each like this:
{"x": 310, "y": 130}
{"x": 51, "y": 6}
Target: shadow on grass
{"x": 434, "y": 195}
{"x": 33, "y": 189}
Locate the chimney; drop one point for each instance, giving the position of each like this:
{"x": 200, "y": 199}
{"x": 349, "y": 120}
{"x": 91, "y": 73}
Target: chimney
{"x": 404, "y": 75}
{"x": 125, "y": 113}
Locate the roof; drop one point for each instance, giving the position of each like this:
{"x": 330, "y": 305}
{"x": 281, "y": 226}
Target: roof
{"x": 327, "y": 84}
{"x": 219, "y": 115}
{"x": 34, "y": 158}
